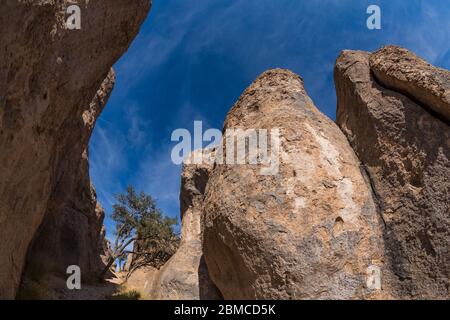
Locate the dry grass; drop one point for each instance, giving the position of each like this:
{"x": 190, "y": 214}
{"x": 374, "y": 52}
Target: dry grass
{"x": 125, "y": 295}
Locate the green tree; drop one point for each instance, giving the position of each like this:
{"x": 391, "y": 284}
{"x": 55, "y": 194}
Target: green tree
{"x": 139, "y": 221}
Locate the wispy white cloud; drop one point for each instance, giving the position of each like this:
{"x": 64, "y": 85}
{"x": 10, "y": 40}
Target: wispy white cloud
{"x": 158, "y": 176}
{"x": 138, "y": 133}
{"x": 107, "y": 160}
{"x": 154, "y": 48}
{"x": 305, "y": 36}
{"x": 423, "y": 28}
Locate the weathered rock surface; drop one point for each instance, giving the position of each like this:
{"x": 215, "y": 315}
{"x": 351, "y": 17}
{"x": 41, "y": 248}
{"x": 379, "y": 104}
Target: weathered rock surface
{"x": 405, "y": 151}
{"x": 185, "y": 275}
{"x": 49, "y": 79}
{"x": 401, "y": 70}
{"x": 140, "y": 280}
{"x": 71, "y": 233}
{"x": 310, "y": 231}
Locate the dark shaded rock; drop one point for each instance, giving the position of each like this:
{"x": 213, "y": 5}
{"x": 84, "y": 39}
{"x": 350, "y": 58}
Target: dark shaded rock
{"x": 71, "y": 233}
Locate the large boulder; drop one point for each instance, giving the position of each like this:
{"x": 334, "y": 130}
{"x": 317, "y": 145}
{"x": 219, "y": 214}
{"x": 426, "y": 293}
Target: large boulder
{"x": 393, "y": 107}
{"x": 307, "y": 231}
{"x": 185, "y": 275}
{"x": 49, "y": 78}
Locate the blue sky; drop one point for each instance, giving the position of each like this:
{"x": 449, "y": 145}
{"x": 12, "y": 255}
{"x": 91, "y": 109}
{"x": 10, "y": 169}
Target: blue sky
{"x": 193, "y": 58}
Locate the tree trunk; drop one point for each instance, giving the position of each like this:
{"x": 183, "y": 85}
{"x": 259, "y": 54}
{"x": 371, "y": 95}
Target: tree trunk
{"x": 107, "y": 267}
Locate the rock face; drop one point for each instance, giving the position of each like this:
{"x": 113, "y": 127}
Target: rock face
{"x": 71, "y": 233}
{"x": 310, "y": 231}
{"x": 185, "y": 275}
{"x": 405, "y": 150}
{"x": 402, "y": 71}
{"x": 53, "y": 84}
{"x": 140, "y": 280}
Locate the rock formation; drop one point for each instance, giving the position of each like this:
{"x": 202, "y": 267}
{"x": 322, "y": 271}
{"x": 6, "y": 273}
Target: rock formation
{"x": 325, "y": 223}
{"x": 310, "y": 231}
{"x": 393, "y": 108}
{"x": 344, "y": 206}
{"x": 185, "y": 275}
{"x": 402, "y": 71}
{"x": 140, "y": 280}
{"x": 53, "y": 84}
{"x": 71, "y": 233}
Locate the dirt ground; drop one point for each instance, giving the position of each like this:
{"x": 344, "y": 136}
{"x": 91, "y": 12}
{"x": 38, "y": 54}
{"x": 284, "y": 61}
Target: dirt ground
{"x": 119, "y": 286}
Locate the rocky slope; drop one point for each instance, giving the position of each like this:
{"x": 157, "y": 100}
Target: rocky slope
{"x": 393, "y": 107}
{"x": 53, "y": 84}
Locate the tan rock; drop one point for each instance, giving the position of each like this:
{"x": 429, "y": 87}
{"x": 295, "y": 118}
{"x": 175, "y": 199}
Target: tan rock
{"x": 140, "y": 280}
{"x": 402, "y": 71}
{"x": 49, "y": 77}
{"x": 405, "y": 151}
{"x": 71, "y": 233}
{"x": 185, "y": 275}
{"x": 310, "y": 231}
